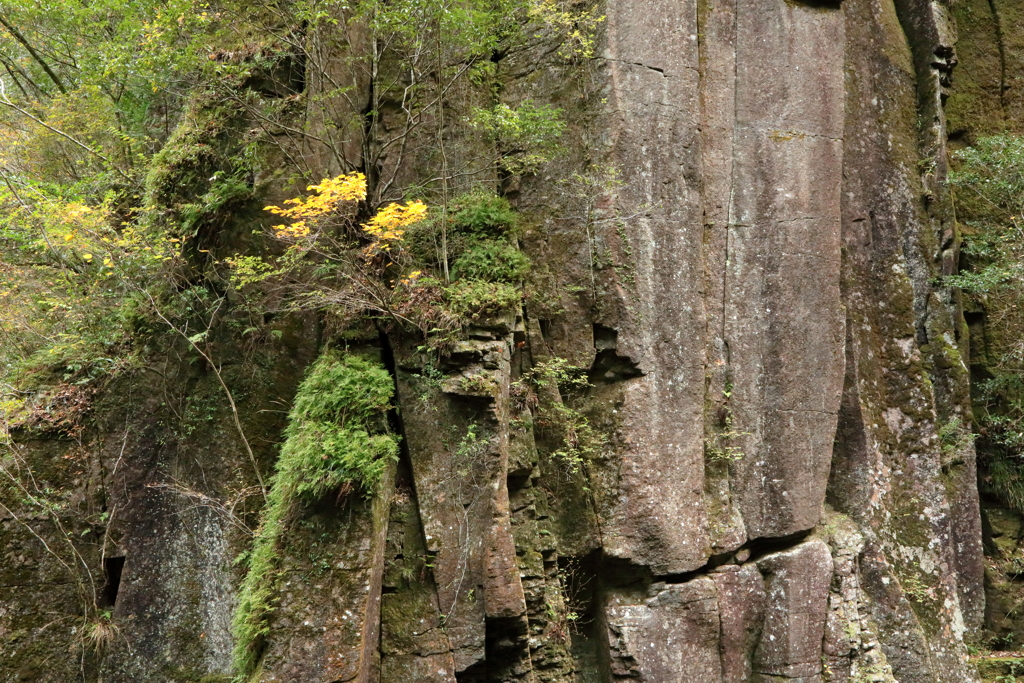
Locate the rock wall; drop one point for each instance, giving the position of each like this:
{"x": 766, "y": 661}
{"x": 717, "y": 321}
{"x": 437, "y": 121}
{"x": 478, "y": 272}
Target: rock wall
{"x": 770, "y": 359}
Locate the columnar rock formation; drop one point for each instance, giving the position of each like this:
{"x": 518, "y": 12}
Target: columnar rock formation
{"x": 766, "y": 280}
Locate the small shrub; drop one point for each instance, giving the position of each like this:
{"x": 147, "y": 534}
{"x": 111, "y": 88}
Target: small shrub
{"x": 914, "y": 588}
{"x": 548, "y": 387}
{"x": 954, "y": 439}
{"x": 491, "y": 260}
{"x": 223, "y": 196}
{"x": 527, "y": 135}
{"x": 474, "y": 221}
{"x": 482, "y": 214}
{"x": 987, "y": 183}
{"x": 470, "y": 299}
{"x": 721, "y": 447}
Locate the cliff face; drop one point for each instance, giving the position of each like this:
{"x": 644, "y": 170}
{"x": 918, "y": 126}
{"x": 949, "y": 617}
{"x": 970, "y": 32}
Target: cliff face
{"x": 770, "y": 359}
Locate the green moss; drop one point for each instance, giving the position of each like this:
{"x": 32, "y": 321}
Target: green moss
{"x": 337, "y": 438}
{"x": 484, "y": 263}
{"x": 474, "y": 222}
{"x": 181, "y": 170}
{"x": 202, "y": 176}
{"x": 1000, "y": 669}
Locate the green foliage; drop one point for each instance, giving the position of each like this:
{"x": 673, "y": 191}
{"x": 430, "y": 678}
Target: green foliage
{"x": 106, "y": 74}
{"x": 1004, "y": 477}
{"x": 468, "y": 300}
{"x": 1015, "y": 672}
{"x": 487, "y": 266}
{"x": 721, "y": 447}
{"x": 988, "y": 184}
{"x": 550, "y": 386}
{"x": 129, "y": 130}
{"x": 914, "y": 588}
{"x": 559, "y": 373}
{"x": 483, "y": 214}
{"x": 954, "y": 439}
{"x": 90, "y": 93}
{"x": 477, "y": 220}
{"x": 989, "y": 180}
{"x": 337, "y": 438}
{"x": 526, "y": 135}
{"x": 339, "y": 390}
{"x": 201, "y": 177}
{"x": 577, "y": 27}
{"x": 74, "y": 283}
{"x": 493, "y": 260}
{"x": 470, "y": 217}
{"x": 157, "y": 111}
{"x": 988, "y": 187}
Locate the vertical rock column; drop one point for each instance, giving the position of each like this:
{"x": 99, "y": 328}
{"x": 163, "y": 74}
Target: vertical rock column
{"x": 326, "y": 622}
{"x": 457, "y": 436}
{"x": 657, "y": 516}
{"x": 783, "y": 314}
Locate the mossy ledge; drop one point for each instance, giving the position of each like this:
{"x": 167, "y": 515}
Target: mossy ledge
{"x": 337, "y": 440}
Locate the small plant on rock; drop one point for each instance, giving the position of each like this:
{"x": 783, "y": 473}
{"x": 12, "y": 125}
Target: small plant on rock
{"x": 543, "y": 387}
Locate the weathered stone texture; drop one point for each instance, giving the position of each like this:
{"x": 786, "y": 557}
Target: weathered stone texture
{"x": 886, "y": 470}
{"x": 652, "y": 88}
{"x": 783, "y": 315}
{"x": 754, "y": 622}
{"x": 326, "y": 622}
{"x": 741, "y": 602}
{"x": 796, "y": 603}
{"x": 672, "y": 636}
{"x": 780, "y": 226}
{"x": 458, "y": 445}
{"x": 184, "y": 555}
{"x": 413, "y": 644}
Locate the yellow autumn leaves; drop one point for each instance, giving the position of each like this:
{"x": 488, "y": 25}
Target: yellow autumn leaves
{"x": 74, "y": 232}
{"x": 391, "y": 221}
{"x": 386, "y": 227}
{"x": 329, "y": 194}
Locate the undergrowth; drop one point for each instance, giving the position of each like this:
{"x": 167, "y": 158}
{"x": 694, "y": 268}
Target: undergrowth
{"x": 548, "y": 386}
{"x": 337, "y": 440}
{"x": 486, "y": 263}
{"x": 988, "y": 187}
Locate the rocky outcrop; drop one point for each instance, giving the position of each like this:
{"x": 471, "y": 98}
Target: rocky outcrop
{"x": 770, "y": 359}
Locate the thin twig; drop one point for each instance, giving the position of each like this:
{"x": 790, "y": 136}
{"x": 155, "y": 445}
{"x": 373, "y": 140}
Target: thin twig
{"x": 223, "y": 385}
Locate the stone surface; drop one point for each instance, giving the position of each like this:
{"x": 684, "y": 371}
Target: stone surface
{"x": 796, "y": 603}
{"x": 327, "y": 617}
{"x": 672, "y": 636}
{"x": 741, "y": 603}
{"x": 652, "y": 88}
{"x": 771, "y": 355}
{"x": 461, "y": 481}
{"x": 413, "y": 644}
{"x": 783, "y": 314}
